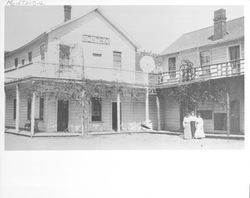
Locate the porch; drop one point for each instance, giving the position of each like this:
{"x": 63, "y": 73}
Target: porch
{"x": 188, "y": 73}
{"x": 47, "y": 111}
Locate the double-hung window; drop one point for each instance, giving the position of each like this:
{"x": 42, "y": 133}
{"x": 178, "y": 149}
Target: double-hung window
{"x": 96, "y": 109}
{"x": 64, "y": 55}
{"x": 172, "y": 67}
{"x": 205, "y": 60}
{"x": 234, "y": 56}
{"x": 117, "y": 59}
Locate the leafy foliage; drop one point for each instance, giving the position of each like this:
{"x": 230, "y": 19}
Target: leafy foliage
{"x": 193, "y": 95}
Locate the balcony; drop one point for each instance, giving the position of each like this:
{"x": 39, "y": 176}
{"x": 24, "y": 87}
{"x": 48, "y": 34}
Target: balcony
{"x": 189, "y": 75}
{"x": 75, "y": 72}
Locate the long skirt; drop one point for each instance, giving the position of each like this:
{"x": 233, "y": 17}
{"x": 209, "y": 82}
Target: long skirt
{"x": 187, "y": 131}
{"x": 199, "y": 132}
{"x": 192, "y": 126}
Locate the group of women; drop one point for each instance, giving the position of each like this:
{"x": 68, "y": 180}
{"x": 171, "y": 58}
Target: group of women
{"x": 193, "y": 126}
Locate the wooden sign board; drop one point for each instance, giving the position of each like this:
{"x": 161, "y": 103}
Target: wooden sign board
{"x": 95, "y": 39}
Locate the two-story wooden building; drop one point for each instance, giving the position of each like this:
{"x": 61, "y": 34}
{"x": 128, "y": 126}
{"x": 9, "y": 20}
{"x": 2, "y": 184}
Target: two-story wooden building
{"x": 92, "y": 47}
{"x": 216, "y": 54}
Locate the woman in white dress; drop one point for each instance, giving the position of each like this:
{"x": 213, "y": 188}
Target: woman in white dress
{"x": 186, "y": 126}
{"x": 199, "y": 132}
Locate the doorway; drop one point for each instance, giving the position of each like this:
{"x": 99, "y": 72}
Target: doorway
{"x": 62, "y": 115}
{"x": 235, "y": 116}
{"x": 114, "y": 115}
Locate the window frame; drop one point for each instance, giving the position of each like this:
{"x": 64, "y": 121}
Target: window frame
{"x": 30, "y": 56}
{"x": 98, "y": 55}
{"x": 16, "y": 62}
{"x": 172, "y": 73}
{"x": 95, "y": 118}
{"x": 202, "y": 111}
{"x": 115, "y": 62}
{"x": 42, "y": 52}
{"x": 62, "y": 56}
{"x": 14, "y": 109}
{"x": 231, "y": 46}
{"x": 41, "y": 108}
{"x": 29, "y": 109}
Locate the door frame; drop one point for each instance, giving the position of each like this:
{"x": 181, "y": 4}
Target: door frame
{"x": 116, "y": 113}
{"x": 57, "y": 106}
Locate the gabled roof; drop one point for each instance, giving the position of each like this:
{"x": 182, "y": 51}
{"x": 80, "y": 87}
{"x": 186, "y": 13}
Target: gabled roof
{"x": 95, "y": 9}
{"x": 202, "y": 37}
{"x": 107, "y": 18}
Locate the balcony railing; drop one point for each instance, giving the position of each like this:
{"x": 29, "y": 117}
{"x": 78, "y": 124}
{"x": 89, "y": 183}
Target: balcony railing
{"x": 76, "y": 72}
{"x": 213, "y": 71}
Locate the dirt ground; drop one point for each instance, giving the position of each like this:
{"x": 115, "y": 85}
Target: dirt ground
{"x": 117, "y": 141}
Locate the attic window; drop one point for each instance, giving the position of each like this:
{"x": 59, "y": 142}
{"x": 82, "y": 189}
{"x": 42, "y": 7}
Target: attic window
{"x": 30, "y": 56}
{"x": 97, "y": 55}
{"x": 16, "y": 62}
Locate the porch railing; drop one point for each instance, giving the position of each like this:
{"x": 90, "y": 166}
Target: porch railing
{"x": 213, "y": 71}
{"x": 175, "y": 77}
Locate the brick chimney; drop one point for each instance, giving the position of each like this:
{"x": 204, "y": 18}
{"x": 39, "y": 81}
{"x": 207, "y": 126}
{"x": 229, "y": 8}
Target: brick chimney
{"x": 220, "y": 26}
{"x": 67, "y": 13}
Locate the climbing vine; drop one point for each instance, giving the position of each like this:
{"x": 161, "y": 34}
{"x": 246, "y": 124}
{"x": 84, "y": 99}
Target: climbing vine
{"x": 82, "y": 91}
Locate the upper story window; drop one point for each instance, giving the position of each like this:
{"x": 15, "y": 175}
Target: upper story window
{"x": 117, "y": 59}
{"x": 30, "y": 56}
{"x": 16, "y": 62}
{"x": 64, "y": 55}
{"x": 205, "y": 58}
{"x": 234, "y": 57}
{"x": 42, "y": 52}
{"x": 172, "y": 67}
{"x": 96, "y": 109}
{"x": 23, "y": 61}
{"x": 234, "y": 53}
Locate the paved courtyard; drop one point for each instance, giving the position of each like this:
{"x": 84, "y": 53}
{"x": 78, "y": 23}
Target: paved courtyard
{"x": 117, "y": 141}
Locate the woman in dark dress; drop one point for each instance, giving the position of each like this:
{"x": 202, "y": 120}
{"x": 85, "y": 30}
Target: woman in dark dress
{"x": 192, "y": 123}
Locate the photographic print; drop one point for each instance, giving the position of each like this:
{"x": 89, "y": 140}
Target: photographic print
{"x": 124, "y": 77}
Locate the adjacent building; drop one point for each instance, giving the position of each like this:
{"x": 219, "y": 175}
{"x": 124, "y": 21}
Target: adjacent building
{"x": 216, "y": 55}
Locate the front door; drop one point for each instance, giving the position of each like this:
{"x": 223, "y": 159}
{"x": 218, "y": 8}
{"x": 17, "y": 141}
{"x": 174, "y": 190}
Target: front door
{"x": 62, "y": 115}
{"x": 114, "y": 115}
{"x": 235, "y": 116}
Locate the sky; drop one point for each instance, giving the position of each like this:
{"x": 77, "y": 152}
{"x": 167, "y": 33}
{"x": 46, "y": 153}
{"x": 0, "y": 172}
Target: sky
{"x": 153, "y": 27}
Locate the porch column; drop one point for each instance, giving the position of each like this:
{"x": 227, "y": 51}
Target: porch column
{"x": 228, "y": 113}
{"x": 158, "y": 113}
{"x": 17, "y": 107}
{"x": 147, "y": 105}
{"x": 32, "y": 119}
{"x": 118, "y": 112}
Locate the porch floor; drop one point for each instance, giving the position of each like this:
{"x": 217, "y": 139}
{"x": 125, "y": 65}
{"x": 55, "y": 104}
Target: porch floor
{"x": 42, "y": 134}
{"x": 68, "y": 134}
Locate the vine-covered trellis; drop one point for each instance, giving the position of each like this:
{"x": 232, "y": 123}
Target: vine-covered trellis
{"x": 82, "y": 91}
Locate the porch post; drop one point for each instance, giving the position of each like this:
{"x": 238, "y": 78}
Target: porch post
{"x": 17, "y": 107}
{"x": 158, "y": 113}
{"x": 228, "y": 113}
{"x": 147, "y": 105}
{"x": 118, "y": 112}
{"x": 32, "y": 119}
